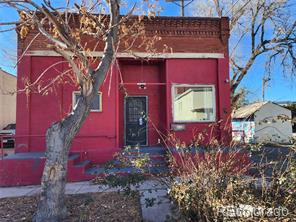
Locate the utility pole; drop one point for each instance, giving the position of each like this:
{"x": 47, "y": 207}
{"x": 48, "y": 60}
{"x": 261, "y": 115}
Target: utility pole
{"x": 181, "y": 4}
{"x": 182, "y": 8}
{"x": 265, "y": 81}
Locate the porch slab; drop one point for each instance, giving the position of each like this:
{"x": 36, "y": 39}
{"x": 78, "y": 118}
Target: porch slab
{"x": 78, "y": 187}
{"x": 23, "y": 156}
{"x": 72, "y": 188}
{"x": 19, "y": 191}
{"x": 159, "y": 212}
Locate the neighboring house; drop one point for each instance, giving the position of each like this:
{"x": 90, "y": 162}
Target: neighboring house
{"x": 7, "y": 98}
{"x": 262, "y": 122}
{"x": 195, "y": 73}
{"x": 291, "y": 105}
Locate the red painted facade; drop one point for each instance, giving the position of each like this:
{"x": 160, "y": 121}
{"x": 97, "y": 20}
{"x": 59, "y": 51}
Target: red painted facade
{"x": 103, "y": 132}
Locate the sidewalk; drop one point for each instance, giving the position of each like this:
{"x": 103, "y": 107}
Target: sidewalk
{"x": 150, "y": 189}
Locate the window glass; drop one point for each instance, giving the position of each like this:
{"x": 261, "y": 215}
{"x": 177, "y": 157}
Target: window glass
{"x": 95, "y": 106}
{"x": 193, "y": 103}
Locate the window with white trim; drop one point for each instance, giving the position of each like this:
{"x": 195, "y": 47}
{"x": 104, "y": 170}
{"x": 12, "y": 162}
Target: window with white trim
{"x": 194, "y": 103}
{"x": 96, "y": 106}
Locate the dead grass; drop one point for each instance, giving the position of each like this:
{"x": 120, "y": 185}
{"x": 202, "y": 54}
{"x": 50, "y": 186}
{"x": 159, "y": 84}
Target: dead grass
{"x": 82, "y": 207}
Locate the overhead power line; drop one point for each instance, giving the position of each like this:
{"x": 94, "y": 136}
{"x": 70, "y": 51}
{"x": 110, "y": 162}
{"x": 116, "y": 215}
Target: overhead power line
{"x": 182, "y": 4}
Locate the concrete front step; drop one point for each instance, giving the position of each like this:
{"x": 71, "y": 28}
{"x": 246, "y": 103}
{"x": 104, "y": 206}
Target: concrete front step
{"x": 84, "y": 163}
{"x": 31, "y": 164}
{"x": 25, "y": 156}
{"x": 158, "y": 170}
{"x": 74, "y": 156}
{"x": 151, "y": 156}
{"x": 157, "y": 163}
{"x": 100, "y": 171}
{"x": 73, "y": 159}
{"x": 148, "y": 150}
{"x": 152, "y": 163}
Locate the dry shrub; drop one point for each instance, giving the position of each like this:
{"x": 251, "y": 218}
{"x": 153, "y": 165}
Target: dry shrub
{"x": 215, "y": 184}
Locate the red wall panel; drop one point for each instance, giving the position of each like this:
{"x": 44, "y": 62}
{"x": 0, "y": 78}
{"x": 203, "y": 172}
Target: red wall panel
{"x": 45, "y": 106}
{"x": 103, "y": 132}
{"x": 36, "y": 115}
{"x": 23, "y": 105}
{"x": 198, "y": 71}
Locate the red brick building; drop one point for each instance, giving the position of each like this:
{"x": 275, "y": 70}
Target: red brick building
{"x": 182, "y": 92}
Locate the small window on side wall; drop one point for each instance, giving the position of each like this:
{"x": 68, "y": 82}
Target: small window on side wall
{"x": 194, "y": 103}
{"x": 96, "y": 106}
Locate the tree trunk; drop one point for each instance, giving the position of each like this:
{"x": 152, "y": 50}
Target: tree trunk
{"x": 52, "y": 203}
{"x": 51, "y": 207}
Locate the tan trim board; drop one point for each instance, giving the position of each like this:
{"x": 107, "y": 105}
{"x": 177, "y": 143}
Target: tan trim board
{"x": 138, "y": 54}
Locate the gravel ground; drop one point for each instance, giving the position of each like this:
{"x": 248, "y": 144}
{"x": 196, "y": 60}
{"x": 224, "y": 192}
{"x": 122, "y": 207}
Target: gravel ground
{"x": 103, "y": 207}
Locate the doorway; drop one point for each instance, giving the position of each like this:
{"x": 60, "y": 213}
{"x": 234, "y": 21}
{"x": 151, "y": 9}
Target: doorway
{"x": 135, "y": 120}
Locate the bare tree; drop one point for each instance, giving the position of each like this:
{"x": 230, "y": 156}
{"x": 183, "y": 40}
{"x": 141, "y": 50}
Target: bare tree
{"x": 64, "y": 28}
{"x": 240, "y": 97}
{"x": 258, "y": 28}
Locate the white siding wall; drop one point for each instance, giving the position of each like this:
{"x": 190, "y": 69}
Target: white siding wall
{"x": 274, "y": 131}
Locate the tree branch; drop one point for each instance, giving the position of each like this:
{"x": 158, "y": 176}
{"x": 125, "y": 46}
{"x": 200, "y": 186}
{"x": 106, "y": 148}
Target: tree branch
{"x": 77, "y": 71}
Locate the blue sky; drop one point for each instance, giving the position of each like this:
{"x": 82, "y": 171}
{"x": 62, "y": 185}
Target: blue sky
{"x": 279, "y": 88}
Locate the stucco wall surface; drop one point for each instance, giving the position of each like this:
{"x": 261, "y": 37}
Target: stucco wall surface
{"x": 7, "y": 100}
{"x": 269, "y": 127}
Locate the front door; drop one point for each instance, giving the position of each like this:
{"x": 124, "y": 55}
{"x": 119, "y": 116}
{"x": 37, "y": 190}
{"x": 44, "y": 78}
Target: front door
{"x": 135, "y": 121}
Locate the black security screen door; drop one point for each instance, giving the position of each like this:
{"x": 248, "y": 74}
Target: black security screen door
{"x": 135, "y": 120}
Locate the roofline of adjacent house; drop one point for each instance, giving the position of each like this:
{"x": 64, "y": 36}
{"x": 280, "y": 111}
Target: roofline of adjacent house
{"x": 285, "y": 102}
{"x": 279, "y": 105}
{"x": 266, "y": 102}
{"x": 7, "y": 73}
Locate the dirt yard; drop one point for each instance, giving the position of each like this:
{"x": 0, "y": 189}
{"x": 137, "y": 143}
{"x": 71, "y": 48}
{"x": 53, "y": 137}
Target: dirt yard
{"x": 82, "y": 207}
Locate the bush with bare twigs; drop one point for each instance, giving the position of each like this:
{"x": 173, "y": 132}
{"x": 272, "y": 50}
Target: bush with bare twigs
{"x": 215, "y": 189}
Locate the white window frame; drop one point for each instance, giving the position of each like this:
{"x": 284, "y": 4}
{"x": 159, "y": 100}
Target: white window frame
{"x": 175, "y": 85}
{"x": 92, "y": 110}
